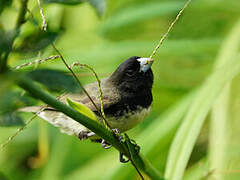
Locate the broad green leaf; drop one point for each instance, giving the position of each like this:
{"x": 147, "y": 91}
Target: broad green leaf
{"x": 7, "y": 81}
{"x": 222, "y": 116}
{"x": 230, "y": 147}
{"x": 98, "y": 5}
{"x": 55, "y": 80}
{"x": 36, "y": 41}
{"x": 82, "y": 109}
{"x": 199, "y": 171}
{"x": 10, "y": 119}
{"x": 4, "y": 4}
{"x": 3, "y": 177}
{"x": 5, "y": 40}
{"x": 10, "y": 101}
{"x": 187, "y": 134}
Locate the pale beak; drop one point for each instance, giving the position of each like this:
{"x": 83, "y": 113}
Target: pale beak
{"x": 145, "y": 64}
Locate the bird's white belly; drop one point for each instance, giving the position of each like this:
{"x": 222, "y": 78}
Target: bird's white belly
{"x": 129, "y": 120}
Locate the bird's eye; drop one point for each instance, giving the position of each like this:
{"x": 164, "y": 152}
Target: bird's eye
{"x": 130, "y": 72}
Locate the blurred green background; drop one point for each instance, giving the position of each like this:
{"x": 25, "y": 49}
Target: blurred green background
{"x": 103, "y": 33}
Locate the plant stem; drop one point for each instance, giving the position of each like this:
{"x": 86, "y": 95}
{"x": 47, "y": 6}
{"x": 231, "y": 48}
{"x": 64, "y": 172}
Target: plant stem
{"x": 141, "y": 163}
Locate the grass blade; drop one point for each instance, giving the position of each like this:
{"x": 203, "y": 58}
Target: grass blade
{"x": 220, "y": 113}
{"x": 188, "y": 132}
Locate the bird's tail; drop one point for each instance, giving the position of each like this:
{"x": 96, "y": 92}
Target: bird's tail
{"x": 57, "y": 119}
{"x": 33, "y": 109}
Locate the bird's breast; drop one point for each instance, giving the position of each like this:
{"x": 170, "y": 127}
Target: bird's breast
{"x": 128, "y": 119}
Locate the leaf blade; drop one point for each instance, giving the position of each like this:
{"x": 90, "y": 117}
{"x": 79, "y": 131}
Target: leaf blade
{"x": 82, "y": 109}
{"x": 183, "y": 143}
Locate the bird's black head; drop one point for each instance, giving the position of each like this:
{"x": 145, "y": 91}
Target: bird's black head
{"x": 134, "y": 75}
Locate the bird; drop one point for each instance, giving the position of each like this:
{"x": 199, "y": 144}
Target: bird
{"x": 126, "y": 96}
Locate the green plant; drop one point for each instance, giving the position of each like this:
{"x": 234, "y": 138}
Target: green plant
{"x": 195, "y": 62}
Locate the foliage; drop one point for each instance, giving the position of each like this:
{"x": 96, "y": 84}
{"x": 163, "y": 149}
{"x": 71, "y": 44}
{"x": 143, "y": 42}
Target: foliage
{"x": 196, "y": 86}
{"x": 83, "y": 109}
{"x": 54, "y": 80}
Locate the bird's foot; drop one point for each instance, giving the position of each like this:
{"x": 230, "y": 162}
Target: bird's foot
{"x": 136, "y": 147}
{"x": 105, "y": 144}
{"x": 122, "y": 159}
{"x": 85, "y": 135}
{"x": 117, "y": 133}
{"x": 132, "y": 147}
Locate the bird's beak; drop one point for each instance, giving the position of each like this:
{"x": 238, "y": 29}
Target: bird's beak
{"x": 145, "y": 64}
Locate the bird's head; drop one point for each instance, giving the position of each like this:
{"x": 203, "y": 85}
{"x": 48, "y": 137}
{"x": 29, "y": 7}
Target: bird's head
{"x": 134, "y": 75}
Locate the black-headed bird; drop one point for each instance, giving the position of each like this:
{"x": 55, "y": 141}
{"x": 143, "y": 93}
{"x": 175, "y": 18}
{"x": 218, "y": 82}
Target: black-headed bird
{"x": 127, "y": 99}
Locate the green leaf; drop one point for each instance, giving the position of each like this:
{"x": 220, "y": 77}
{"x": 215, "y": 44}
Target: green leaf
{"x": 5, "y": 40}
{"x": 67, "y": 2}
{"x": 11, "y": 119}
{"x": 36, "y": 41}
{"x": 222, "y": 115}
{"x": 55, "y": 80}
{"x": 10, "y": 101}
{"x": 139, "y": 13}
{"x": 188, "y": 132}
{"x": 4, "y": 4}
{"x": 82, "y": 109}
{"x": 199, "y": 170}
{"x": 98, "y": 5}
{"x": 3, "y": 177}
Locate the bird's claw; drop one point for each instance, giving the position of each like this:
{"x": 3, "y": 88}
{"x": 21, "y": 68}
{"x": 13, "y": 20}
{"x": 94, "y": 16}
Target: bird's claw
{"x": 85, "y": 135}
{"x": 105, "y": 144}
{"x": 136, "y": 147}
{"x": 117, "y": 133}
{"x": 122, "y": 159}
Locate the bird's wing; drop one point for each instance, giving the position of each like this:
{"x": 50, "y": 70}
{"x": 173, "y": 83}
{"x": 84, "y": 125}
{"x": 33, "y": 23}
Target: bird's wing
{"x": 68, "y": 125}
{"x": 110, "y": 95}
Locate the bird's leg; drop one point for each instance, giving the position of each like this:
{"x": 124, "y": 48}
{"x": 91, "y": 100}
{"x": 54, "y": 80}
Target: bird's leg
{"x": 136, "y": 147}
{"x": 117, "y": 133}
{"x": 122, "y": 159}
{"x": 132, "y": 147}
{"x": 85, "y": 135}
{"x": 105, "y": 144}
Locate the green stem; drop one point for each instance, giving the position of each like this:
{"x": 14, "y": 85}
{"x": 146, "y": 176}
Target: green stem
{"x": 141, "y": 163}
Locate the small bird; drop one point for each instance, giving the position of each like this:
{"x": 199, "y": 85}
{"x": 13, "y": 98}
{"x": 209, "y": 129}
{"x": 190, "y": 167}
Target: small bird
{"x": 127, "y": 99}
